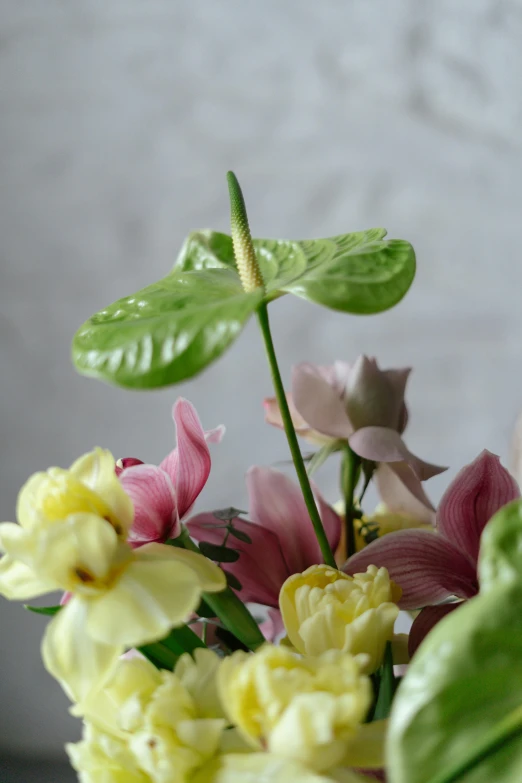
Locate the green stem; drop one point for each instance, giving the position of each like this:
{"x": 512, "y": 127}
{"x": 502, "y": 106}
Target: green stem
{"x": 297, "y": 457}
{"x": 350, "y": 470}
{"x": 506, "y": 731}
{"x": 227, "y": 606}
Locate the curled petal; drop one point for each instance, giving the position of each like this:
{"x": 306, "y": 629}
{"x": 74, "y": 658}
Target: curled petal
{"x": 425, "y": 621}
{"x": 477, "y": 492}
{"x": 155, "y": 508}
{"x": 261, "y": 567}
{"x": 18, "y": 581}
{"x": 381, "y": 444}
{"x": 188, "y": 465}
{"x": 319, "y": 403}
{"x": 216, "y": 435}
{"x": 78, "y": 661}
{"x": 277, "y": 504}
{"x": 273, "y": 417}
{"x": 398, "y": 499}
{"x": 428, "y": 568}
{"x": 126, "y": 462}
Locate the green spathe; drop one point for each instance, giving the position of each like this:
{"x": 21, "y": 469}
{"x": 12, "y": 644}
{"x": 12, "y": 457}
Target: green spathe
{"x": 173, "y": 329}
{"x": 457, "y": 715}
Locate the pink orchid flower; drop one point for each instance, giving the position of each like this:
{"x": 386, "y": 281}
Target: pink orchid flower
{"x": 164, "y": 494}
{"x": 441, "y": 566}
{"x": 282, "y": 538}
{"x": 360, "y": 404}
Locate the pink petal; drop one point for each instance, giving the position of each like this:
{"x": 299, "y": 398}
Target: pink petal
{"x": 319, "y": 403}
{"x": 398, "y": 499}
{"x": 382, "y": 444}
{"x": 425, "y": 621}
{"x": 273, "y": 626}
{"x": 261, "y": 567}
{"x": 373, "y": 397}
{"x": 277, "y": 504}
{"x": 188, "y": 465}
{"x": 154, "y": 499}
{"x": 474, "y": 495}
{"x": 216, "y": 435}
{"x": 126, "y": 462}
{"x": 428, "y": 568}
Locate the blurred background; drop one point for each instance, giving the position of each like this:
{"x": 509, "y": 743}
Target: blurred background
{"x": 118, "y": 121}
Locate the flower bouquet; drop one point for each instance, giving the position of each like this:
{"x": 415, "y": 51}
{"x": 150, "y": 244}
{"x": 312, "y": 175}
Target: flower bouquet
{"x": 260, "y": 645}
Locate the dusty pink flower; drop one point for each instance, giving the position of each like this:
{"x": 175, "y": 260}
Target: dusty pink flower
{"x": 282, "y": 538}
{"x": 162, "y": 495}
{"x": 435, "y": 567}
{"x": 360, "y": 404}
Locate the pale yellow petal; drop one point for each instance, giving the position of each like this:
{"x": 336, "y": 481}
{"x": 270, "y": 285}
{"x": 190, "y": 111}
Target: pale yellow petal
{"x": 101, "y": 758}
{"x": 366, "y": 749}
{"x": 97, "y": 471}
{"x": 211, "y": 577}
{"x": 20, "y": 544}
{"x": 256, "y": 768}
{"x": 198, "y": 674}
{"x": 28, "y": 512}
{"x": 79, "y": 662}
{"x": 18, "y": 581}
{"x": 150, "y": 598}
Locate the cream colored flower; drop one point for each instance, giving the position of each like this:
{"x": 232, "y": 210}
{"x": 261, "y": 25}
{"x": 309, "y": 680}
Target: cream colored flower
{"x": 100, "y": 758}
{"x": 71, "y": 538}
{"x": 324, "y": 609}
{"x": 263, "y": 768}
{"x": 163, "y": 728}
{"x": 301, "y": 709}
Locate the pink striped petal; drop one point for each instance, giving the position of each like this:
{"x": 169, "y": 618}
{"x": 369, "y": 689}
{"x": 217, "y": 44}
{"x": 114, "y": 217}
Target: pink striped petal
{"x": 273, "y": 626}
{"x": 154, "y": 499}
{"x": 381, "y": 444}
{"x": 126, "y": 462}
{"x": 261, "y": 567}
{"x": 425, "y": 621}
{"x": 474, "y": 495}
{"x": 319, "y": 403}
{"x": 277, "y": 504}
{"x": 399, "y": 499}
{"x": 428, "y": 568}
{"x": 188, "y": 465}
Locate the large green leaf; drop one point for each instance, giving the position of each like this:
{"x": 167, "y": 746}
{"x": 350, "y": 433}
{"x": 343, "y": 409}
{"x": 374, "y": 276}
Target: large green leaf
{"x": 356, "y": 273}
{"x": 167, "y": 332}
{"x": 173, "y": 329}
{"x": 457, "y": 715}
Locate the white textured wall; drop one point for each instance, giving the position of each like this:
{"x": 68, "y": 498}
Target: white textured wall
{"x": 118, "y": 121}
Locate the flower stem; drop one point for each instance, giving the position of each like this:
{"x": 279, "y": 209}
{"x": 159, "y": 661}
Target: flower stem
{"x": 349, "y": 471}
{"x": 297, "y": 457}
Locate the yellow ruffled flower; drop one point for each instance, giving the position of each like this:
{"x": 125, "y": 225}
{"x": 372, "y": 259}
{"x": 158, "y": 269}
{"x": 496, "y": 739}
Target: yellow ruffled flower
{"x": 304, "y": 709}
{"x": 101, "y": 757}
{"x": 325, "y": 609}
{"x": 71, "y": 537}
{"x": 267, "y": 768}
{"x": 152, "y": 719}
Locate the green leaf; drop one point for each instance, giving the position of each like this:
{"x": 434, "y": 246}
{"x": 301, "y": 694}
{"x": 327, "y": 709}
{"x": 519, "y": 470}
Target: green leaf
{"x": 387, "y": 686}
{"x": 221, "y": 554}
{"x": 318, "y": 458}
{"x": 463, "y": 682}
{"x": 500, "y": 558}
{"x": 226, "y": 514}
{"x": 239, "y": 534}
{"x": 49, "y": 610}
{"x": 233, "y": 581}
{"x": 167, "y": 332}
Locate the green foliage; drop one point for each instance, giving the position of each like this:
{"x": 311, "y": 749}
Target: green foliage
{"x": 221, "y": 554}
{"x": 457, "y": 715}
{"x": 47, "y": 610}
{"x": 173, "y": 329}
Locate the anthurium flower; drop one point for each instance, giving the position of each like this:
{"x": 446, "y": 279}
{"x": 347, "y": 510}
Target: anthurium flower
{"x": 162, "y": 495}
{"x": 279, "y": 539}
{"x": 163, "y": 725}
{"x": 305, "y": 709}
{"x": 119, "y": 597}
{"x": 324, "y": 609}
{"x": 434, "y": 568}
{"x": 360, "y": 404}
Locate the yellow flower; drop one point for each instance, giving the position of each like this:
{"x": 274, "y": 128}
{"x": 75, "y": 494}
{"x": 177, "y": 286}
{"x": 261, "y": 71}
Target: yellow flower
{"x": 301, "y": 709}
{"x": 153, "y": 716}
{"x": 100, "y": 757}
{"x": 71, "y": 538}
{"x": 324, "y": 609}
{"x": 264, "y": 768}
